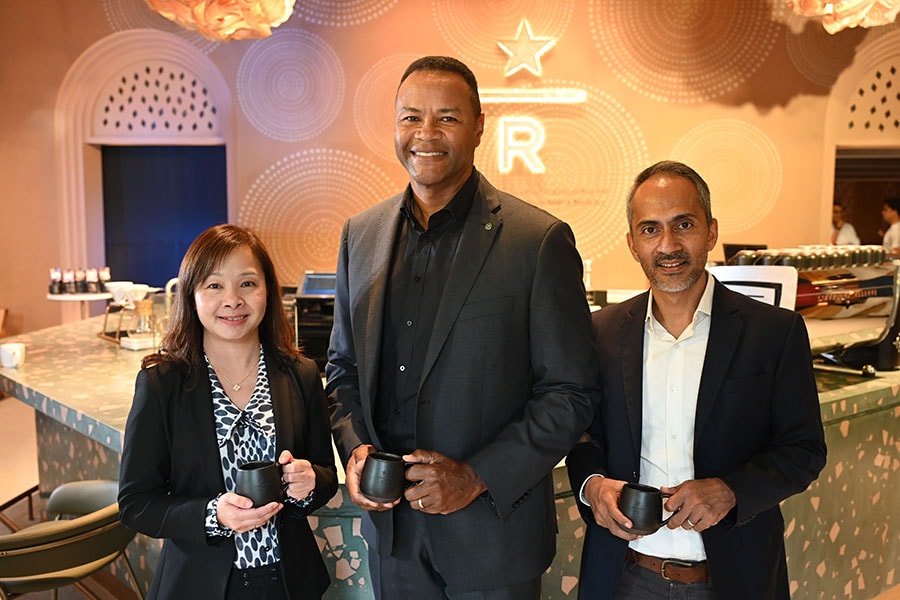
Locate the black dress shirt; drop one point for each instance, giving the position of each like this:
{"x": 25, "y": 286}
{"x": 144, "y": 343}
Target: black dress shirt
{"x": 419, "y": 268}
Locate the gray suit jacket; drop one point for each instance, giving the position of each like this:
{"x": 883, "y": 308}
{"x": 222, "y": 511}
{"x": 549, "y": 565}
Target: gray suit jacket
{"x": 508, "y": 385}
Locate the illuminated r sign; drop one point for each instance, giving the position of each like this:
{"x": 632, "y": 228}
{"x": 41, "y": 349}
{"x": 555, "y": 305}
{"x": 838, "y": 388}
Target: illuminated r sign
{"x": 520, "y": 137}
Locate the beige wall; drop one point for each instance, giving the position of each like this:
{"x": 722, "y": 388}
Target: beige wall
{"x": 745, "y": 92}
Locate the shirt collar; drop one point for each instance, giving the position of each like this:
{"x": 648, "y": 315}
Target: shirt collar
{"x": 256, "y": 415}
{"x": 457, "y": 208}
{"x": 704, "y": 307}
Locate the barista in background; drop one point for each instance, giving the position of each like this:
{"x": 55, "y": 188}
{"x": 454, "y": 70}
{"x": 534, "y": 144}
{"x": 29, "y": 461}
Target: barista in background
{"x": 890, "y": 212}
{"x": 842, "y": 232}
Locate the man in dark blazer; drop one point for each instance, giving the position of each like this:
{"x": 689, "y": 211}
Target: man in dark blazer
{"x": 708, "y": 395}
{"x": 461, "y": 340}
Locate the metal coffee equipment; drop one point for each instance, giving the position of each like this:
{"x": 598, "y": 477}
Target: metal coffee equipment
{"x": 848, "y": 298}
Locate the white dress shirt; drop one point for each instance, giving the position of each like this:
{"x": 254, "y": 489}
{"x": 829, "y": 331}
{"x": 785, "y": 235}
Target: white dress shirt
{"x": 671, "y": 380}
{"x": 846, "y": 235}
{"x": 891, "y": 239}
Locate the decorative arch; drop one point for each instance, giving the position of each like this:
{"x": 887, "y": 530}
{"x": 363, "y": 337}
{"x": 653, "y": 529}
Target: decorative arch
{"x": 121, "y": 73}
{"x": 863, "y": 110}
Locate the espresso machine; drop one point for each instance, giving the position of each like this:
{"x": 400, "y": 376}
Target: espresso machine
{"x": 314, "y": 316}
{"x": 848, "y": 298}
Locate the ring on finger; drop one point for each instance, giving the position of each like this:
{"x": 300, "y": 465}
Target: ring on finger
{"x": 421, "y": 506}
{"x": 691, "y": 523}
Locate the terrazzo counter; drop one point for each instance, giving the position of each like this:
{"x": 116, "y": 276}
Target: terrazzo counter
{"x": 842, "y": 534}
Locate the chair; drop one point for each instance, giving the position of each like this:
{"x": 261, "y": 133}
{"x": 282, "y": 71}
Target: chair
{"x": 58, "y": 553}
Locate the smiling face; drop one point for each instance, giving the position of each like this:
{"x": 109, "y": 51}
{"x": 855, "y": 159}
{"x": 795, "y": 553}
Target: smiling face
{"x": 668, "y": 234}
{"x": 436, "y": 132}
{"x": 231, "y": 301}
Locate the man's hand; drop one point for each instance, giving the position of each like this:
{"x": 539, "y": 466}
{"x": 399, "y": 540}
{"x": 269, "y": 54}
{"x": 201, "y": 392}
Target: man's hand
{"x": 298, "y": 474}
{"x": 442, "y": 485}
{"x": 353, "y": 473}
{"x": 702, "y": 503}
{"x": 603, "y": 495}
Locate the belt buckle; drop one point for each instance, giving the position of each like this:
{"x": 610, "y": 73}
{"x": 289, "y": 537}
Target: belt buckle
{"x": 674, "y": 563}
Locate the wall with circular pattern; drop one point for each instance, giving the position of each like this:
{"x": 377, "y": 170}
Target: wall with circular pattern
{"x": 739, "y": 90}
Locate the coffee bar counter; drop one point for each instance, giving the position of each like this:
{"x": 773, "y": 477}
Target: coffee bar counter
{"x": 842, "y": 534}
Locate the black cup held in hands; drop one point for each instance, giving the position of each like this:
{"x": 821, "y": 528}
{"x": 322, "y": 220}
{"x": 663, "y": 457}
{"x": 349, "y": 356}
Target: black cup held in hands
{"x": 260, "y": 481}
{"x": 382, "y": 479}
{"x": 643, "y": 505}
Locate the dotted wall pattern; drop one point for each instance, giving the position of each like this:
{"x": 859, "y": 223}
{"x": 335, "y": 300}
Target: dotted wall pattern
{"x": 123, "y": 15}
{"x": 742, "y": 166}
{"x": 158, "y": 99}
{"x": 291, "y": 86}
{"x": 310, "y": 192}
{"x": 341, "y": 13}
{"x": 472, "y": 30}
{"x": 373, "y": 103}
{"x": 875, "y": 107}
{"x": 694, "y": 52}
{"x": 591, "y": 152}
{"x": 817, "y": 55}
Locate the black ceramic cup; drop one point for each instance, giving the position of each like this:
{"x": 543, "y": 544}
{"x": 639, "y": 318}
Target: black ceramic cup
{"x": 260, "y": 481}
{"x": 643, "y": 504}
{"x": 382, "y": 478}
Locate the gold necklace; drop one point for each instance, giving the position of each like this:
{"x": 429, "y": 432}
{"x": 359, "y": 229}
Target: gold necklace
{"x": 237, "y": 386}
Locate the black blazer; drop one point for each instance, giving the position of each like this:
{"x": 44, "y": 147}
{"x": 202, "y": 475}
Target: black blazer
{"x": 171, "y": 470}
{"x": 758, "y": 428}
{"x": 508, "y": 384}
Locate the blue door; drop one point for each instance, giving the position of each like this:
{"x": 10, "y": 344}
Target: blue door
{"x": 156, "y": 200}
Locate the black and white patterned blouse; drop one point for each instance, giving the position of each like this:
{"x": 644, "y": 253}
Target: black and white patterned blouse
{"x": 244, "y": 436}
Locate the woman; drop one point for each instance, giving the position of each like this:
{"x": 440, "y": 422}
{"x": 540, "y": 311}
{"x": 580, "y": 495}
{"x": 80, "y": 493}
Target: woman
{"x": 228, "y": 386}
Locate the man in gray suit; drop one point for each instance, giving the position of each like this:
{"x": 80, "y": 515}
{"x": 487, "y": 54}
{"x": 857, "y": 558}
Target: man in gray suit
{"x": 461, "y": 340}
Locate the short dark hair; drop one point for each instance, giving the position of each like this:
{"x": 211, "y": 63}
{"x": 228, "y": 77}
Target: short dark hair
{"x": 893, "y": 203}
{"x": 447, "y": 64}
{"x": 183, "y": 340}
{"x": 671, "y": 167}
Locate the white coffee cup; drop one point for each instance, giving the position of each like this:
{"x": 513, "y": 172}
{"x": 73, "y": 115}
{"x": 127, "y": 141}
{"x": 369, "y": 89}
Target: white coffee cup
{"x": 12, "y": 355}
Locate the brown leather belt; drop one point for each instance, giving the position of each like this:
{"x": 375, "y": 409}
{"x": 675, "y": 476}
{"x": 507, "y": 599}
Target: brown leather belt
{"x": 674, "y": 570}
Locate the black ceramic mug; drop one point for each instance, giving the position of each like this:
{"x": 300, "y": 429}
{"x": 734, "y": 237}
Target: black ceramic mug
{"x": 260, "y": 480}
{"x": 643, "y": 505}
{"x": 383, "y": 477}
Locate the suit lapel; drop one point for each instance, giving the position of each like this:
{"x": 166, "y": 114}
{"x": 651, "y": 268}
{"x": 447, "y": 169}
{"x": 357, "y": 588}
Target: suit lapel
{"x": 284, "y": 402}
{"x": 370, "y": 313}
{"x": 724, "y": 333}
{"x": 479, "y": 231}
{"x": 198, "y": 403}
{"x": 631, "y": 343}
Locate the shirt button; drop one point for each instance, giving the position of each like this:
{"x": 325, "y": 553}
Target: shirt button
{"x": 396, "y": 411}
{"x": 417, "y": 279}
{"x": 402, "y": 368}
{"x": 409, "y": 323}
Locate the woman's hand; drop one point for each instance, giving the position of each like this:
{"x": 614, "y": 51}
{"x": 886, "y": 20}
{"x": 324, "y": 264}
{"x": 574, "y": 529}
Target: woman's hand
{"x": 237, "y": 513}
{"x": 298, "y": 474}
